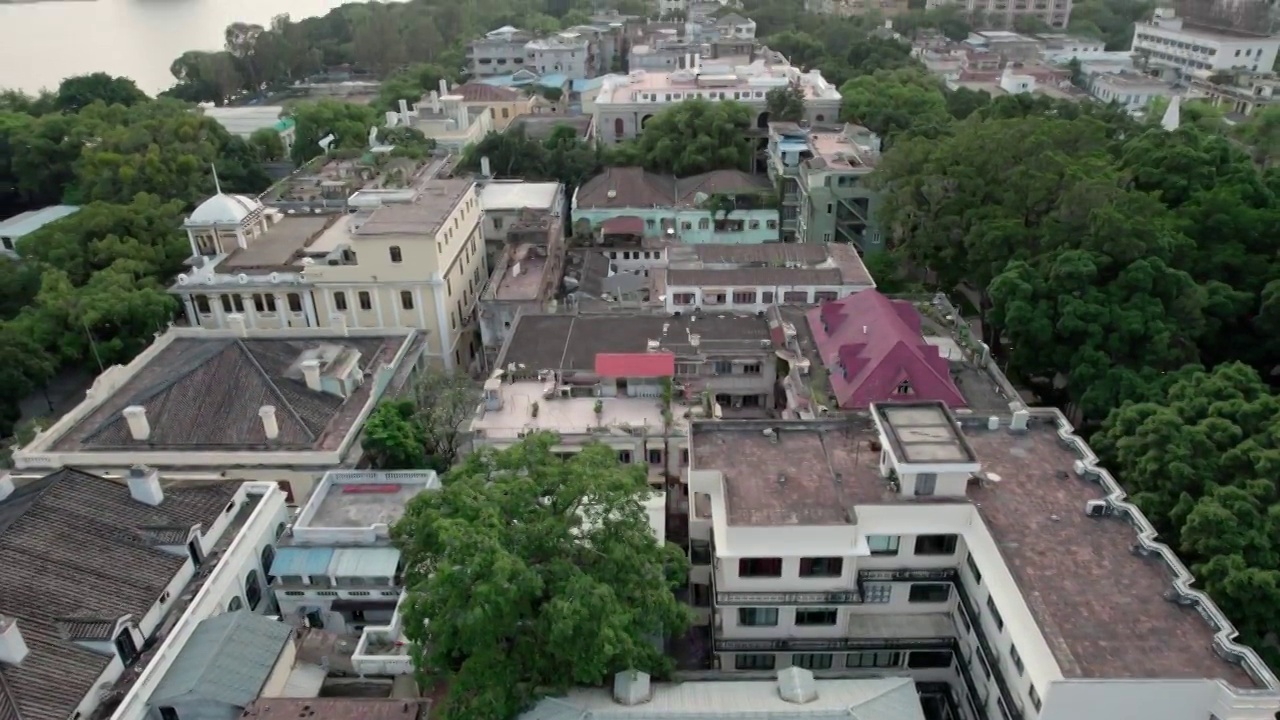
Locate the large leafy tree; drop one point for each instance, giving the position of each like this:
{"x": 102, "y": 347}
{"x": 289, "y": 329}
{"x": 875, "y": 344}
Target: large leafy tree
{"x": 349, "y": 124}
{"x": 527, "y": 574}
{"x": 691, "y": 137}
{"x": 889, "y": 102}
{"x": 77, "y": 93}
{"x": 562, "y": 156}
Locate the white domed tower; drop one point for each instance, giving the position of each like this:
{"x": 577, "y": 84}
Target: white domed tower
{"x": 224, "y": 223}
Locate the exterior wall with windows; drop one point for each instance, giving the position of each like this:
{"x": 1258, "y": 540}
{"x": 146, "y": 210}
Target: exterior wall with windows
{"x": 695, "y": 226}
{"x": 752, "y": 298}
{"x": 223, "y": 590}
{"x": 1166, "y": 41}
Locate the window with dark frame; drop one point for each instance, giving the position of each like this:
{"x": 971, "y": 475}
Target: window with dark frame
{"x": 395, "y": 254}
{"x": 757, "y": 617}
{"x": 753, "y": 661}
{"x": 366, "y": 300}
{"x": 995, "y": 613}
{"x": 884, "y": 544}
{"x": 821, "y": 567}
{"x": 873, "y": 659}
{"x": 936, "y": 544}
{"x": 1017, "y": 660}
{"x": 700, "y": 552}
{"x": 340, "y": 300}
{"x": 406, "y": 299}
{"x": 816, "y": 617}
{"x": 929, "y": 593}
{"x": 202, "y": 304}
{"x": 295, "y": 302}
{"x": 929, "y": 659}
{"x": 812, "y": 661}
{"x": 973, "y": 569}
{"x": 760, "y": 567}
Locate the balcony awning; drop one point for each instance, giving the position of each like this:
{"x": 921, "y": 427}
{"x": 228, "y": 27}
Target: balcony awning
{"x": 368, "y": 562}
{"x": 301, "y": 561}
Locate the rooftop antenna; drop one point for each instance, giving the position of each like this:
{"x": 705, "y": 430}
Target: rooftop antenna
{"x": 217, "y": 186}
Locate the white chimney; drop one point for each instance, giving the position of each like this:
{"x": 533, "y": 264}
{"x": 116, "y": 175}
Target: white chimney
{"x": 144, "y": 485}
{"x": 13, "y": 649}
{"x": 269, "y": 424}
{"x": 464, "y": 117}
{"x": 404, "y": 112}
{"x": 338, "y": 321}
{"x": 435, "y": 101}
{"x": 1019, "y": 422}
{"x": 444, "y": 86}
{"x": 6, "y": 486}
{"x": 236, "y": 323}
{"x": 136, "y": 416}
{"x": 311, "y": 371}
{"x": 631, "y": 687}
{"x": 484, "y": 167}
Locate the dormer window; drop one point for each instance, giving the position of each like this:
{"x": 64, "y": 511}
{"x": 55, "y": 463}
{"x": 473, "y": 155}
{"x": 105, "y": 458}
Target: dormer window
{"x": 904, "y": 388}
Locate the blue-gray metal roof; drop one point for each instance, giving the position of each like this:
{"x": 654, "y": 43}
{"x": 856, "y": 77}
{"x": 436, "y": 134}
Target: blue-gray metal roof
{"x": 226, "y": 660}
{"x": 302, "y": 561}
{"x": 364, "y": 562}
{"x": 32, "y": 220}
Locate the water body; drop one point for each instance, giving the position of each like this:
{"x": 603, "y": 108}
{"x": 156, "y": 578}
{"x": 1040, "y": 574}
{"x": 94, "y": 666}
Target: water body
{"x": 42, "y": 43}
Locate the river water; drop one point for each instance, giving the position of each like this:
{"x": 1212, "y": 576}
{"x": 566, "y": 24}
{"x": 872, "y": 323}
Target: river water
{"x": 42, "y": 43}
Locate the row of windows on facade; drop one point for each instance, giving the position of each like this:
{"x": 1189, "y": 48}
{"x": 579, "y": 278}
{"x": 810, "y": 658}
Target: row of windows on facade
{"x": 880, "y": 659}
{"x": 266, "y": 302}
{"x": 753, "y": 297}
{"x": 1202, "y": 49}
{"x": 880, "y": 545}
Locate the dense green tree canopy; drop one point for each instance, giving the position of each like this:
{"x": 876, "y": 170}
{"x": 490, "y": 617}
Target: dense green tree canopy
{"x": 562, "y": 156}
{"x": 528, "y": 574}
{"x": 889, "y": 102}
{"x": 692, "y": 137}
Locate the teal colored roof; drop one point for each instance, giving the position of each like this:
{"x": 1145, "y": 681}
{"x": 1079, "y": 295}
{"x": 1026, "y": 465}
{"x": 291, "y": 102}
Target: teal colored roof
{"x": 302, "y": 561}
{"x": 32, "y": 220}
{"x": 226, "y": 660}
{"x": 553, "y": 80}
{"x": 284, "y": 124}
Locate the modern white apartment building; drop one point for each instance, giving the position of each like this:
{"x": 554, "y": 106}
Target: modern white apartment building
{"x": 408, "y": 257}
{"x": 566, "y": 53}
{"x": 1170, "y": 41}
{"x": 507, "y": 49}
{"x": 991, "y": 559}
{"x": 1002, "y": 13}
{"x": 627, "y": 102}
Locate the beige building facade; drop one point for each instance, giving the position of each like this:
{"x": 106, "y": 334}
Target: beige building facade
{"x": 411, "y": 258}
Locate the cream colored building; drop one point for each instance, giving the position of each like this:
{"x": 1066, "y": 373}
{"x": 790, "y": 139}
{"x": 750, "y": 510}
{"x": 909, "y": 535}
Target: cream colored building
{"x": 448, "y": 118}
{"x": 502, "y": 103}
{"x": 405, "y": 258}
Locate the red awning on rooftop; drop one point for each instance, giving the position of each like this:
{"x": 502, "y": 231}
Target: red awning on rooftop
{"x": 624, "y": 225}
{"x": 636, "y": 365}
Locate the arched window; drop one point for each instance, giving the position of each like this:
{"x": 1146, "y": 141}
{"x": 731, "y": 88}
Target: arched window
{"x": 268, "y": 557}
{"x": 252, "y": 590}
{"x": 280, "y": 531}
{"x": 820, "y": 117}
{"x": 235, "y": 604}
{"x": 619, "y": 127}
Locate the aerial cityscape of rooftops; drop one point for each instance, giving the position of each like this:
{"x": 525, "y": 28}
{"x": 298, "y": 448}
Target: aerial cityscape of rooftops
{"x": 651, "y": 359}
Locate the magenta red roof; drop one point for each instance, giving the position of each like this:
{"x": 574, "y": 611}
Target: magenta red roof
{"x": 636, "y": 365}
{"x": 623, "y": 225}
{"x": 872, "y": 348}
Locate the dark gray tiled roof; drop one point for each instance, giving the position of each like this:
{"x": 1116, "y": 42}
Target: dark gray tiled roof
{"x": 73, "y": 557}
{"x": 206, "y": 393}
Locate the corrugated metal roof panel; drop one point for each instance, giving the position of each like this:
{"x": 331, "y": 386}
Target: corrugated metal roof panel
{"x": 636, "y": 365}
{"x": 302, "y": 561}
{"x": 364, "y": 562}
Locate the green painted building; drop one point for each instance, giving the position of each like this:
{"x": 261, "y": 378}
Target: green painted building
{"x": 821, "y": 173}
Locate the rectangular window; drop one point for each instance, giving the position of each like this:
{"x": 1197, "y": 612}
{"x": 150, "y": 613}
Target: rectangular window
{"x": 936, "y": 544}
{"x": 1035, "y": 697}
{"x": 406, "y": 299}
{"x": 752, "y": 369}
{"x": 723, "y": 367}
{"x": 366, "y": 300}
{"x": 753, "y": 662}
{"x": 812, "y": 661}
{"x": 453, "y": 321}
{"x": 340, "y": 300}
{"x": 881, "y": 659}
{"x": 821, "y": 296}
{"x": 821, "y": 567}
{"x": 683, "y": 298}
{"x": 766, "y": 296}
{"x": 744, "y": 298}
{"x": 883, "y": 544}
{"x": 982, "y": 663}
{"x": 929, "y": 659}
{"x": 655, "y": 456}
{"x": 995, "y": 613}
{"x": 760, "y": 567}
{"x": 810, "y": 617}
{"x": 226, "y": 303}
{"x": 926, "y": 483}
{"x": 701, "y": 595}
{"x": 295, "y": 302}
{"x": 1017, "y": 660}
{"x": 202, "y": 304}
{"x": 624, "y": 457}
{"x": 929, "y": 593}
{"x": 758, "y": 617}
{"x": 395, "y": 254}
{"x": 700, "y": 552}
{"x": 270, "y": 301}
{"x": 973, "y": 569}
{"x": 964, "y": 618}
{"x": 877, "y": 593}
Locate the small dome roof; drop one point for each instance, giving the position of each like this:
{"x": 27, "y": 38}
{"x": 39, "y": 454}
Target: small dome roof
{"x": 224, "y": 209}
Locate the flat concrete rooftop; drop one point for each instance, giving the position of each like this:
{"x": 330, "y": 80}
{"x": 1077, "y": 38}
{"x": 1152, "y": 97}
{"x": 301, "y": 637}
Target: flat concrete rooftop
{"x": 361, "y": 499}
{"x": 1101, "y": 607}
{"x": 569, "y": 416}
{"x": 923, "y": 433}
